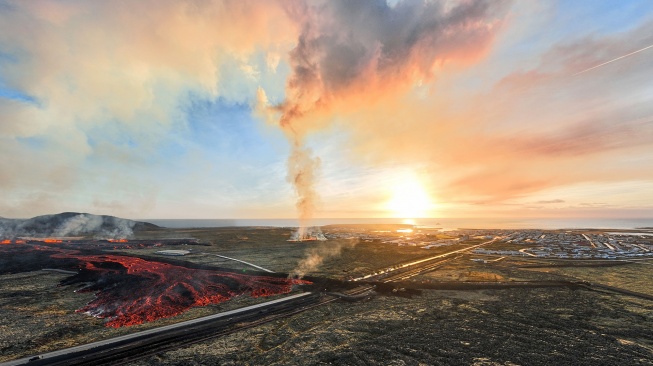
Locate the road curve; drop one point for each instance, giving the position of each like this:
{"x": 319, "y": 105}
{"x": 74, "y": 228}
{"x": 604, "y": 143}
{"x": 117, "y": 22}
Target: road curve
{"x": 238, "y": 260}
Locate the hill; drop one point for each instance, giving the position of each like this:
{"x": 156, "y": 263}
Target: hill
{"x": 72, "y": 224}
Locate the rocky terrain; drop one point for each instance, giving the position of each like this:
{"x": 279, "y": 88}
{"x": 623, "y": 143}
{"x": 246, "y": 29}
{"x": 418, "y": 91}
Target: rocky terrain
{"x": 488, "y": 327}
{"x": 508, "y": 326}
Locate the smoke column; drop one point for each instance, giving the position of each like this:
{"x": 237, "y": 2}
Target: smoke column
{"x": 349, "y": 54}
{"x": 302, "y": 168}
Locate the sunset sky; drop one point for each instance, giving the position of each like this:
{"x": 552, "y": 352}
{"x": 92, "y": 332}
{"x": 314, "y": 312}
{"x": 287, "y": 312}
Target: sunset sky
{"x": 191, "y": 109}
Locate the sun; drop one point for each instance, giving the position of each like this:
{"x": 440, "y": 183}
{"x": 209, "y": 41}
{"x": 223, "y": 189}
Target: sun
{"x": 409, "y": 200}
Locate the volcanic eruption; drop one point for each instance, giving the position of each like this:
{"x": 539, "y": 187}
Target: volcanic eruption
{"x": 130, "y": 290}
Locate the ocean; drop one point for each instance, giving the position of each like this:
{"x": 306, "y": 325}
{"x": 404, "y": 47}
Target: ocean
{"x": 444, "y": 223}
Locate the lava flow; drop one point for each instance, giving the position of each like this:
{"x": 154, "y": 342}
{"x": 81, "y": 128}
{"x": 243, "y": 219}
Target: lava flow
{"x": 131, "y": 290}
{"x": 117, "y": 240}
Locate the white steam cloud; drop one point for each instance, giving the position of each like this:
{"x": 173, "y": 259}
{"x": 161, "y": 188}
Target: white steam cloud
{"x": 68, "y": 224}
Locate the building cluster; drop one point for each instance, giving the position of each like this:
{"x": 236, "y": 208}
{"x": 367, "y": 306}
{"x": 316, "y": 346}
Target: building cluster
{"x": 565, "y": 244}
{"x": 423, "y": 238}
{"x": 577, "y": 245}
{"x": 500, "y": 252}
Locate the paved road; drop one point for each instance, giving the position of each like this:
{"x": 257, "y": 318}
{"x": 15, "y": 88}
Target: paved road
{"x": 238, "y": 260}
{"x": 60, "y": 355}
{"x": 527, "y": 253}
{"x": 422, "y": 261}
{"x": 153, "y": 337}
{"x": 589, "y": 240}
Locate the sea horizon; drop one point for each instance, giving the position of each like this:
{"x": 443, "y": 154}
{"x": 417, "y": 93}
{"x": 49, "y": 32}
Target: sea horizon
{"x": 443, "y": 223}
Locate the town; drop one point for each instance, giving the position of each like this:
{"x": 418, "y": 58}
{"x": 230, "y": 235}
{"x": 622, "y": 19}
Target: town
{"x": 552, "y": 244}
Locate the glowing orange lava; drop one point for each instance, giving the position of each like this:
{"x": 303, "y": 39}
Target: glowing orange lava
{"x": 131, "y": 290}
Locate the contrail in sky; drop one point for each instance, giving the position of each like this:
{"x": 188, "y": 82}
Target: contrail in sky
{"x": 613, "y": 60}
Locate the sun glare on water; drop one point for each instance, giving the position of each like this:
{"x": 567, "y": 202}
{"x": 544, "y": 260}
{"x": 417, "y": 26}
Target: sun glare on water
{"x": 409, "y": 200}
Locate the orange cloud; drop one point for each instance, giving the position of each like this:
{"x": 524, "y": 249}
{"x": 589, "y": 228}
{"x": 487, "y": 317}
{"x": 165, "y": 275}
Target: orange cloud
{"x": 536, "y": 130}
{"x": 354, "y": 53}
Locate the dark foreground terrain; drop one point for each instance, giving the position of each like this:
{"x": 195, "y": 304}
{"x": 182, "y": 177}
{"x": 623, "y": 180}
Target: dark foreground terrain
{"x": 527, "y": 325}
{"x": 489, "y": 327}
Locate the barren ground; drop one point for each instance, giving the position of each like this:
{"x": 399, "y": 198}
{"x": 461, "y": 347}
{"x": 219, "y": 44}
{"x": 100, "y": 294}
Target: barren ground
{"x": 484, "y": 327}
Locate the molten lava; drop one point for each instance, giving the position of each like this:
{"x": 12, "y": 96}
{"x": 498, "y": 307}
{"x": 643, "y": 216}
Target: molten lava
{"x": 131, "y": 290}
{"x": 5, "y": 242}
{"x": 52, "y": 241}
{"x": 162, "y": 290}
{"x": 117, "y": 240}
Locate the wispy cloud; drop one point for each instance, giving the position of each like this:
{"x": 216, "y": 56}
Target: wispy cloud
{"x": 547, "y": 202}
{"x": 488, "y": 105}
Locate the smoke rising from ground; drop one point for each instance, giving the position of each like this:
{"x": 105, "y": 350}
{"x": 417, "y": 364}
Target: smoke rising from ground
{"x": 317, "y": 255}
{"x": 69, "y": 224}
{"x": 302, "y": 169}
{"x": 79, "y": 224}
{"x": 308, "y": 233}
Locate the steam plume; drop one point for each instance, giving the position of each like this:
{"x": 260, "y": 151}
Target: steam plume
{"x": 317, "y": 255}
{"x": 352, "y": 52}
{"x": 69, "y": 224}
{"x": 302, "y": 168}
